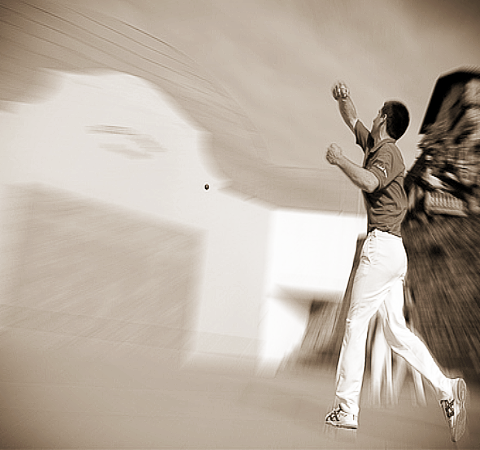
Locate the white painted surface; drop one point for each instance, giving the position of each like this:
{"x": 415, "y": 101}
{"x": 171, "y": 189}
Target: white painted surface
{"x": 311, "y": 257}
{"x": 148, "y": 159}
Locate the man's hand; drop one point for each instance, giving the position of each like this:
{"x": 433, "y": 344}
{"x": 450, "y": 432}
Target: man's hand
{"x": 334, "y": 154}
{"x": 340, "y": 90}
{"x": 361, "y": 177}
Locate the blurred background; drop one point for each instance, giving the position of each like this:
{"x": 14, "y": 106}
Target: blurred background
{"x": 166, "y": 207}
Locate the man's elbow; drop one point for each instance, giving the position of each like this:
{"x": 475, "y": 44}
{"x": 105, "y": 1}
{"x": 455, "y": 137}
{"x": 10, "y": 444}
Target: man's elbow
{"x": 371, "y": 184}
{"x": 352, "y": 122}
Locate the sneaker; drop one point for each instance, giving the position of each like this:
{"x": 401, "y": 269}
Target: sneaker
{"x": 454, "y": 410}
{"x": 341, "y": 419}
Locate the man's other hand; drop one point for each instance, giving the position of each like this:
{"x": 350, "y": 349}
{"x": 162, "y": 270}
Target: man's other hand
{"x": 334, "y": 154}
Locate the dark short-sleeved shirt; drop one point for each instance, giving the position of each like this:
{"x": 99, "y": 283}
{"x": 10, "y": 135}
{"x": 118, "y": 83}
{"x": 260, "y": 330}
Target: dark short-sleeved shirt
{"x": 387, "y": 205}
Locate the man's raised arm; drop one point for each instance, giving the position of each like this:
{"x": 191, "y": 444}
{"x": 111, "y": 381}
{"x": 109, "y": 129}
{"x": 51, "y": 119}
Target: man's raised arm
{"x": 345, "y": 104}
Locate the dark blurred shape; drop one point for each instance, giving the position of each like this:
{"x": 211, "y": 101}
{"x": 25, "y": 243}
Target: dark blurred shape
{"x": 445, "y": 179}
{"x": 444, "y": 278}
{"x": 440, "y": 230}
{"x": 453, "y": 93}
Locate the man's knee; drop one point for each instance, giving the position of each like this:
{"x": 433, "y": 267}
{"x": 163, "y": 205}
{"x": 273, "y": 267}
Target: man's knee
{"x": 398, "y": 336}
{"x": 355, "y": 328}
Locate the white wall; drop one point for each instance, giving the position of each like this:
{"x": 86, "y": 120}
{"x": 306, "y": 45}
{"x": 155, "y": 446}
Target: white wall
{"x": 151, "y": 161}
{"x": 313, "y": 251}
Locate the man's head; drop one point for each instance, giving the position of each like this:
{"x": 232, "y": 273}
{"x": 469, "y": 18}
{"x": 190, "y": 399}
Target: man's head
{"x": 397, "y": 118}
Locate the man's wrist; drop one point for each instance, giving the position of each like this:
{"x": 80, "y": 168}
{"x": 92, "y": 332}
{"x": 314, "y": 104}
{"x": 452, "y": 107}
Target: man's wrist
{"x": 340, "y": 160}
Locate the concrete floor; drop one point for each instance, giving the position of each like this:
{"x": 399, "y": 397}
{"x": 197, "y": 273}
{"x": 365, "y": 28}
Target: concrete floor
{"x": 94, "y": 395}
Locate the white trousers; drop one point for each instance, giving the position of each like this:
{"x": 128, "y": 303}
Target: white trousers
{"x": 378, "y": 284}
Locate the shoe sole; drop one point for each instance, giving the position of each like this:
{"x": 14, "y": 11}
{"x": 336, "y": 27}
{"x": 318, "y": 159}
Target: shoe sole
{"x": 460, "y": 395}
{"x": 346, "y": 427}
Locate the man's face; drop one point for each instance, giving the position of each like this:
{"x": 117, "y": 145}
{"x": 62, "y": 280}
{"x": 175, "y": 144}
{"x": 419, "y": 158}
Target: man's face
{"x": 377, "y": 122}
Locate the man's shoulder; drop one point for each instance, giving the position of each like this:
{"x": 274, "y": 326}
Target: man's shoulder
{"x": 390, "y": 151}
{"x": 391, "y": 147}
{"x": 362, "y": 134}
{"x": 360, "y": 127}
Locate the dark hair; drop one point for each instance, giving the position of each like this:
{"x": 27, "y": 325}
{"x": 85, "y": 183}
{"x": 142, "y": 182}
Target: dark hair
{"x": 397, "y": 118}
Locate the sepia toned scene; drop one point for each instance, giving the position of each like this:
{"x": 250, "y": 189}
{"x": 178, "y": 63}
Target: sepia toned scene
{"x": 196, "y": 251}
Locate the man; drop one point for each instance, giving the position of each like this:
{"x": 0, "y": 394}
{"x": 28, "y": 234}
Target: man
{"x": 378, "y": 283}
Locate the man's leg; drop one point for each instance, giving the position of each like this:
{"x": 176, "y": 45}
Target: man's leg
{"x": 381, "y": 265}
{"x": 409, "y": 346}
{"x": 450, "y": 393}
